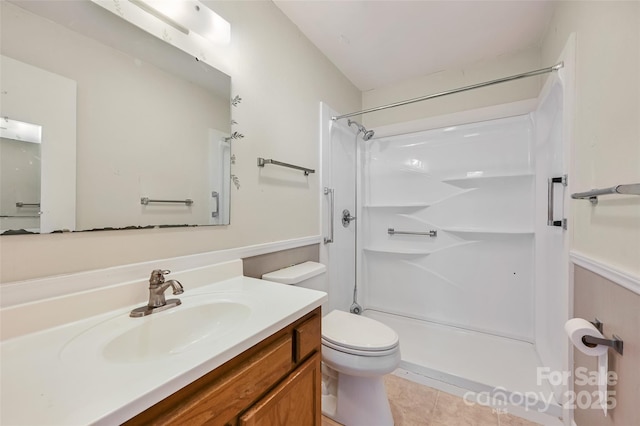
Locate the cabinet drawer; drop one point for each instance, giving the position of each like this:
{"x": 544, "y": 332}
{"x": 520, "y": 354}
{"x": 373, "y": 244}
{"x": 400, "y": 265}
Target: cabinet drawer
{"x": 220, "y": 401}
{"x": 307, "y": 338}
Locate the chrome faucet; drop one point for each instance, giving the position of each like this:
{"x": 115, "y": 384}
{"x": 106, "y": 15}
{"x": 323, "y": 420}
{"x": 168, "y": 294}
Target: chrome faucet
{"x": 157, "y": 287}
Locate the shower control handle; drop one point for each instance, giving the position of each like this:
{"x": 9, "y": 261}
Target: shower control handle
{"x": 347, "y": 218}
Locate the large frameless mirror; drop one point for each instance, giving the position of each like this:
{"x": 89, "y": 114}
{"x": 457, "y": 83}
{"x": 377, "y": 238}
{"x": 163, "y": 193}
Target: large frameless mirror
{"x": 134, "y": 132}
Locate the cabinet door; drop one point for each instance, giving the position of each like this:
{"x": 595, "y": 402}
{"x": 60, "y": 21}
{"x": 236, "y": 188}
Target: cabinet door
{"x": 214, "y": 401}
{"x": 295, "y": 401}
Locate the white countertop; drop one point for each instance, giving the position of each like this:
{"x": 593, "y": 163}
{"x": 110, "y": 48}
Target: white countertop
{"x": 60, "y": 376}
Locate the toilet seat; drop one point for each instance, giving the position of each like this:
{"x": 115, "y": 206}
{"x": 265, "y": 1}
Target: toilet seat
{"x": 357, "y": 335}
{"x": 359, "y": 352}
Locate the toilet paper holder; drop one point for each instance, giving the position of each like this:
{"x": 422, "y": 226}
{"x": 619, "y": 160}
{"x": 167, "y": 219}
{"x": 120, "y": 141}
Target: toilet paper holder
{"x": 616, "y": 343}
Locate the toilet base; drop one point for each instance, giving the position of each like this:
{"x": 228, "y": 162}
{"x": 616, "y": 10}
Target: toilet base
{"x": 360, "y": 401}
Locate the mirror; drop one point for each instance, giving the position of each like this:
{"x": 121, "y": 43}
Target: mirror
{"x": 146, "y": 137}
{"x": 20, "y": 174}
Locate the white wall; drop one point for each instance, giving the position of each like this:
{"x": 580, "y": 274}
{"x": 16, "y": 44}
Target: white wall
{"x": 282, "y": 78}
{"x": 501, "y": 66}
{"x": 606, "y": 130}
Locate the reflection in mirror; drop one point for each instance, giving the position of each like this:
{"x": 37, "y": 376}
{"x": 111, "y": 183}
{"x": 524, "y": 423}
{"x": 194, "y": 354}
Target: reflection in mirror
{"x": 152, "y": 121}
{"x": 19, "y": 175}
{"x": 33, "y": 95}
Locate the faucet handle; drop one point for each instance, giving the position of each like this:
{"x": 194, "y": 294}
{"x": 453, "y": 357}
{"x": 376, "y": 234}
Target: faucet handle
{"x": 157, "y": 276}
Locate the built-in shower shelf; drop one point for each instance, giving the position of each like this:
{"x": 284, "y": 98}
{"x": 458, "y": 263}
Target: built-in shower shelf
{"x": 407, "y": 205}
{"x": 489, "y": 231}
{"x": 487, "y": 177}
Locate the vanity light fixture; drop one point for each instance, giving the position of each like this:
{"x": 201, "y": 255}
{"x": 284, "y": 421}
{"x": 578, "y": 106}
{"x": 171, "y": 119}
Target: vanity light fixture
{"x": 150, "y": 10}
{"x": 20, "y": 131}
{"x": 187, "y": 16}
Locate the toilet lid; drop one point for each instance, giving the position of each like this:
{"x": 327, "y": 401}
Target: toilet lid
{"x": 357, "y": 332}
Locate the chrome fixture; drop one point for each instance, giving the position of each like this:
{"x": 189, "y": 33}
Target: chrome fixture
{"x": 347, "y": 218}
{"x": 216, "y": 196}
{"x": 556, "y": 67}
{"x": 21, "y": 204}
{"x": 591, "y": 341}
{"x": 329, "y": 191}
{"x": 564, "y": 180}
{"x": 146, "y": 200}
{"x": 157, "y": 287}
{"x": 263, "y": 161}
{"x": 366, "y": 134}
{"x": 431, "y": 233}
{"x": 630, "y": 189}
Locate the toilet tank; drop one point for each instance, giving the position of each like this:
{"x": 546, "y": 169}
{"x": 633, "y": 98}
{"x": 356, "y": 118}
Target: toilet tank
{"x": 308, "y": 274}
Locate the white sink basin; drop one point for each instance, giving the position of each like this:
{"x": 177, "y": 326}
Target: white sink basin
{"x": 123, "y": 339}
{"x": 175, "y": 331}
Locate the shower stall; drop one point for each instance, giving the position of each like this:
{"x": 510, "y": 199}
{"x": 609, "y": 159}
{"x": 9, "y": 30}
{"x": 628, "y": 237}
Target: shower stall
{"x": 457, "y": 241}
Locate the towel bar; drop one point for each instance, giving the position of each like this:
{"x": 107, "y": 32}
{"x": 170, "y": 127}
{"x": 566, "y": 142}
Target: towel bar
{"x": 145, "y": 201}
{"x": 263, "y": 161}
{"x": 630, "y": 189}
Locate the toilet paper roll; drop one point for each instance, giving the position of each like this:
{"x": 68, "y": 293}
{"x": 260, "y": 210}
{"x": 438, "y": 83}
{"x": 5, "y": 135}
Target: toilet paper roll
{"x": 576, "y": 329}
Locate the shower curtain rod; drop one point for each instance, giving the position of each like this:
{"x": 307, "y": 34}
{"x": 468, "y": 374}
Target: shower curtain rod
{"x": 556, "y": 67}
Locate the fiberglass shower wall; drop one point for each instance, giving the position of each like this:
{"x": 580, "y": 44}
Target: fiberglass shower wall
{"x": 338, "y": 174}
{"x": 472, "y": 184}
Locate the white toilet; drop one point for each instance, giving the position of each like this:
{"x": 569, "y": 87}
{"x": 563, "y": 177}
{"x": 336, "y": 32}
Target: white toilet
{"x": 356, "y": 353}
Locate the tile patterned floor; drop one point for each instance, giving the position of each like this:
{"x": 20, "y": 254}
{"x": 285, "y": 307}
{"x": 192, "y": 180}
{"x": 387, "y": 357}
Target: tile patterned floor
{"x": 413, "y": 404}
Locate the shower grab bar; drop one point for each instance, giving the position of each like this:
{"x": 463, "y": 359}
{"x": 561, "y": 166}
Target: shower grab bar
{"x": 329, "y": 191}
{"x": 550, "y": 203}
{"x": 146, "y": 200}
{"x": 21, "y": 204}
{"x": 431, "y": 233}
{"x": 629, "y": 189}
{"x": 216, "y": 196}
{"x": 263, "y": 161}
{"x": 13, "y": 216}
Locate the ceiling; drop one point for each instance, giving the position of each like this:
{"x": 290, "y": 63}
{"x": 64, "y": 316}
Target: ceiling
{"x": 377, "y": 43}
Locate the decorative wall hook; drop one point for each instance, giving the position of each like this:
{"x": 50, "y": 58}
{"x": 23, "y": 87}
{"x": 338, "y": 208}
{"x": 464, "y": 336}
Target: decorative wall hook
{"x": 234, "y": 136}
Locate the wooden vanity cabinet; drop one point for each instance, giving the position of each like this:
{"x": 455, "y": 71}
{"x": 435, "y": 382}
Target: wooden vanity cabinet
{"x": 277, "y": 382}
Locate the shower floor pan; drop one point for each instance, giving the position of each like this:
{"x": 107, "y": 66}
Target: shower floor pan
{"x": 479, "y": 362}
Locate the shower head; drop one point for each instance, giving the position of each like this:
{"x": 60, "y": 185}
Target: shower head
{"x": 366, "y": 134}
